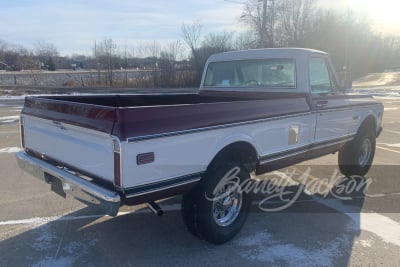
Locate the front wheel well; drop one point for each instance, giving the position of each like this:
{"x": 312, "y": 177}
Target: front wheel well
{"x": 369, "y": 123}
{"x": 238, "y": 152}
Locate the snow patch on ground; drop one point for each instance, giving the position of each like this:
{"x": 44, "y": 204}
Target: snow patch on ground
{"x": 34, "y": 221}
{"x": 9, "y": 119}
{"x": 11, "y": 106}
{"x": 379, "y": 85}
{"x": 15, "y": 117}
{"x": 261, "y": 247}
{"x": 10, "y": 150}
{"x": 12, "y": 97}
{"x": 60, "y": 262}
{"x": 365, "y": 243}
{"x": 377, "y": 79}
{"x": 45, "y": 239}
{"x": 55, "y": 251}
{"x": 388, "y": 93}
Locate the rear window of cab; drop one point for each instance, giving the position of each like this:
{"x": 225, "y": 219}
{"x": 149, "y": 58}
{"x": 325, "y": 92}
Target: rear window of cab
{"x": 271, "y": 73}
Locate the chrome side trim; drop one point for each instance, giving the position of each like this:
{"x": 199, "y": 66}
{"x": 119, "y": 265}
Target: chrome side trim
{"x": 320, "y": 110}
{"x": 162, "y": 185}
{"x": 283, "y": 156}
{"x": 163, "y": 188}
{"x": 334, "y": 143}
{"x": 306, "y": 148}
{"x": 84, "y": 191}
{"x": 153, "y": 136}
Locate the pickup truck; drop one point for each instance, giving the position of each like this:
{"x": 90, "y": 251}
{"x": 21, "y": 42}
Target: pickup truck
{"x": 256, "y": 111}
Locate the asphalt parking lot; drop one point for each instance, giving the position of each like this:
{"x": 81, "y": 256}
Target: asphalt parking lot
{"x": 38, "y": 228}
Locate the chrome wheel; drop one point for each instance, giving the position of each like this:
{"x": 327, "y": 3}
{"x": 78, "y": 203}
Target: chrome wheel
{"x": 365, "y": 152}
{"x": 218, "y": 207}
{"x": 227, "y": 204}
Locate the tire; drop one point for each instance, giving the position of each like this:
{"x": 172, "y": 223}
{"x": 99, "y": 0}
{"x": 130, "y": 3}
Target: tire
{"x": 212, "y": 211}
{"x": 188, "y": 213}
{"x": 356, "y": 156}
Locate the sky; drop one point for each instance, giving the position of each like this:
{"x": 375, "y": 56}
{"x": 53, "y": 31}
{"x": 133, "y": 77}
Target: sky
{"x": 73, "y": 25}
{"x": 384, "y": 14}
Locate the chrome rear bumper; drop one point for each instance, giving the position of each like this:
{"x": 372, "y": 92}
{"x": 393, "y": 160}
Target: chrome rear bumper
{"x": 86, "y": 192}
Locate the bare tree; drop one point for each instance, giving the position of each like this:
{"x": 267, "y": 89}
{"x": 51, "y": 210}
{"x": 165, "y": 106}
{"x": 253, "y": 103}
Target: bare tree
{"x": 221, "y": 42}
{"x": 149, "y": 49}
{"x": 213, "y": 43}
{"x": 25, "y": 59}
{"x": 46, "y": 53}
{"x": 105, "y": 53}
{"x": 262, "y": 16}
{"x": 192, "y": 37}
{"x": 245, "y": 40}
{"x": 172, "y": 51}
{"x": 296, "y": 18}
{"x": 167, "y": 63}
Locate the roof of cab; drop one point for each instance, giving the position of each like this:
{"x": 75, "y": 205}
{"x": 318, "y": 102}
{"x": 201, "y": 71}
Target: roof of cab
{"x": 265, "y": 53}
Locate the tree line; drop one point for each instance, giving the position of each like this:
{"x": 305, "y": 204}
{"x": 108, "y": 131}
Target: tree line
{"x": 355, "y": 48}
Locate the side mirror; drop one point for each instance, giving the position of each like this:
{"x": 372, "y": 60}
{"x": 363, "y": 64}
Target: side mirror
{"x": 346, "y": 83}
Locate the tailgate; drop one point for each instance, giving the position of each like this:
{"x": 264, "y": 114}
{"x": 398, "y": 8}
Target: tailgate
{"x": 77, "y": 136}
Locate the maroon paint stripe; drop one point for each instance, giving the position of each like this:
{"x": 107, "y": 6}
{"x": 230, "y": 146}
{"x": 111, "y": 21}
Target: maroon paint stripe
{"x": 89, "y": 116}
{"x": 149, "y": 120}
{"x": 135, "y": 122}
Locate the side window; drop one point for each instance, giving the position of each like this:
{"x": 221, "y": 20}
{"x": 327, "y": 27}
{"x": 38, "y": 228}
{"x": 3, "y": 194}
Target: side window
{"x": 320, "y": 80}
{"x": 223, "y": 75}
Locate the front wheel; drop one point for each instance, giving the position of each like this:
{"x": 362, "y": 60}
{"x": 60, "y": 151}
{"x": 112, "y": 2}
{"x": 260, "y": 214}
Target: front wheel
{"x": 217, "y": 209}
{"x": 356, "y": 156}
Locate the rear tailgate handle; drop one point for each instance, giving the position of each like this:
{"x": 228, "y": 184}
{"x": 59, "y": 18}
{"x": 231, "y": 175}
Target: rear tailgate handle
{"x": 322, "y": 103}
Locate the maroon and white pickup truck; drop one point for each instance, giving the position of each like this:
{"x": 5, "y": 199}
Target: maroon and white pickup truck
{"x": 256, "y": 111}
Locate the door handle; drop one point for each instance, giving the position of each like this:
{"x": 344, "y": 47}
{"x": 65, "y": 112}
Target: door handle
{"x": 321, "y": 103}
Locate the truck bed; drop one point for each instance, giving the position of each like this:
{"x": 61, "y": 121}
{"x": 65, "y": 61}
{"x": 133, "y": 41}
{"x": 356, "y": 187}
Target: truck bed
{"x": 136, "y": 116}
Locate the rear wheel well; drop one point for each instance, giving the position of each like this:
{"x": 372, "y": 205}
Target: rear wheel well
{"x": 238, "y": 152}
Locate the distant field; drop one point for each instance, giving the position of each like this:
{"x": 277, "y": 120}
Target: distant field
{"x": 378, "y": 80}
{"x": 69, "y": 82}
{"x": 66, "y": 78}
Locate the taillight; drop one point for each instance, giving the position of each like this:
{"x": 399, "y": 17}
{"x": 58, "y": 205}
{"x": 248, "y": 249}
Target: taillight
{"x": 21, "y": 125}
{"x": 117, "y": 162}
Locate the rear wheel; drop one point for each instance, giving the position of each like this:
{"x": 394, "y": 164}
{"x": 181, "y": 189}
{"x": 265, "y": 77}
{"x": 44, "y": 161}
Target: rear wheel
{"x": 356, "y": 156}
{"x": 217, "y": 209}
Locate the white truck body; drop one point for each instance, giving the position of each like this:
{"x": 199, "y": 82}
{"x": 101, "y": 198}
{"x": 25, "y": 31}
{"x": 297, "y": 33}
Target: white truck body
{"x": 149, "y": 147}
